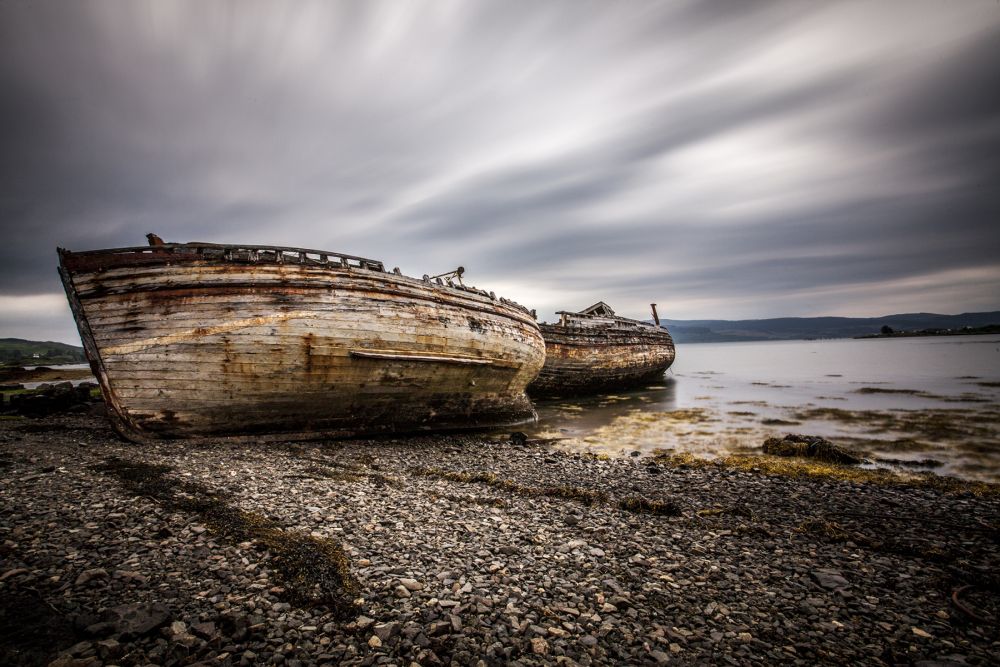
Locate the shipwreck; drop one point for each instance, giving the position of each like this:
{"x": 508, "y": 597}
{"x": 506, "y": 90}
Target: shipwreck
{"x": 205, "y": 340}
{"x": 595, "y": 350}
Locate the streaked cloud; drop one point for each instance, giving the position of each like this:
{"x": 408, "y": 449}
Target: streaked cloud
{"x": 723, "y": 160}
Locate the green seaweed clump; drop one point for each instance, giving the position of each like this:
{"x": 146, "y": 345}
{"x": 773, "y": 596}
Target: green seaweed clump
{"x": 810, "y": 446}
{"x": 682, "y": 460}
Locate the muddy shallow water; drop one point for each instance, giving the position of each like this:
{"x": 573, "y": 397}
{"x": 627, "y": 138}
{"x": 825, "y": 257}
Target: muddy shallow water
{"x": 909, "y": 403}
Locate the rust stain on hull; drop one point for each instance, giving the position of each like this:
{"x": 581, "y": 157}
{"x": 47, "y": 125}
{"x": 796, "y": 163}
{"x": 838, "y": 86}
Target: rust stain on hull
{"x": 199, "y": 340}
{"x": 596, "y": 350}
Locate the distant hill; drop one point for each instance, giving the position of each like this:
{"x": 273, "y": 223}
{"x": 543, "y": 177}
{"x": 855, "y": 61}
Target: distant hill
{"x": 799, "y": 328}
{"x": 20, "y": 352}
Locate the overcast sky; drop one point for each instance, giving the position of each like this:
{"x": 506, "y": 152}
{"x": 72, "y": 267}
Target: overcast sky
{"x": 723, "y": 159}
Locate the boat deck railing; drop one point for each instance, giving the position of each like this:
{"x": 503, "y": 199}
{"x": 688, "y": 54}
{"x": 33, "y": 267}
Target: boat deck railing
{"x": 248, "y": 253}
{"x": 622, "y": 323}
{"x": 267, "y": 254}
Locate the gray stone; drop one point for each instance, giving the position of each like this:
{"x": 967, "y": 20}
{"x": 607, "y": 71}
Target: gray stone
{"x": 136, "y": 620}
{"x": 831, "y": 579}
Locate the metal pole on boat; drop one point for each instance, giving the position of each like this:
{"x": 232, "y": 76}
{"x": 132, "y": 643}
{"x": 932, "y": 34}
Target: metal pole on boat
{"x": 656, "y": 318}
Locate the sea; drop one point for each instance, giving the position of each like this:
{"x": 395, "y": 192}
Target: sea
{"x": 914, "y": 404}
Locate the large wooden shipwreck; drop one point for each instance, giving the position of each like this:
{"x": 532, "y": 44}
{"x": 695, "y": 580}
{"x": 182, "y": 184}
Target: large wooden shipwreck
{"x": 199, "y": 340}
{"x": 595, "y": 350}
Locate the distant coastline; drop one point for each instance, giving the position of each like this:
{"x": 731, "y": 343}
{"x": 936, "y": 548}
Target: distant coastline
{"x": 966, "y": 331}
{"x": 818, "y": 328}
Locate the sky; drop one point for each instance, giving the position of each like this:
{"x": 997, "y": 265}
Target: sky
{"x": 723, "y": 159}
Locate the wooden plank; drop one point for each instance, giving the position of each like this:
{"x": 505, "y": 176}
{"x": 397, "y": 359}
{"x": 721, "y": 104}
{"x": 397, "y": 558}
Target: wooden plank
{"x": 591, "y": 354}
{"x": 196, "y": 348}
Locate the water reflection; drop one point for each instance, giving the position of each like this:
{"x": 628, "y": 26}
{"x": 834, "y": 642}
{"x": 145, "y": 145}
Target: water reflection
{"x": 927, "y": 403}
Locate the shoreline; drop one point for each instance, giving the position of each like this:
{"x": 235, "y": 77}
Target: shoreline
{"x": 994, "y": 330}
{"x": 17, "y": 374}
{"x": 464, "y": 549}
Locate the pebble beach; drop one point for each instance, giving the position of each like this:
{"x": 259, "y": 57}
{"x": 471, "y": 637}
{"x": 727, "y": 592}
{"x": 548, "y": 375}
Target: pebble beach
{"x": 473, "y": 550}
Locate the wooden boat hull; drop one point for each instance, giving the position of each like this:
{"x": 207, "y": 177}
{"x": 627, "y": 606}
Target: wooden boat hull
{"x": 583, "y": 360}
{"x": 193, "y": 343}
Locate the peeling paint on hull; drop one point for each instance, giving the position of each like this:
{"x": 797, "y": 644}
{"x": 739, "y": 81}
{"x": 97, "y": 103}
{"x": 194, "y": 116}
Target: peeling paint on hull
{"x": 198, "y": 340}
{"x": 586, "y": 354}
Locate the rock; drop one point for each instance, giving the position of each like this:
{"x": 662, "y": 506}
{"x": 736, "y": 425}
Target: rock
{"x": 375, "y": 642}
{"x": 810, "y": 446}
{"x": 108, "y": 649}
{"x": 831, "y": 579}
{"x": 48, "y": 399}
{"x": 439, "y": 628}
{"x": 386, "y": 631}
{"x": 412, "y": 584}
{"x": 539, "y": 646}
{"x": 14, "y": 573}
{"x": 589, "y": 641}
{"x": 954, "y": 660}
{"x": 402, "y": 591}
{"x": 659, "y": 657}
{"x": 922, "y": 633}
{"x": 205, "y": 630}
{"x": 363, "y": 622}
{"x": 136, "y": 620}
{"x": 518, "y": 438}
{"x": 90, "y": 575}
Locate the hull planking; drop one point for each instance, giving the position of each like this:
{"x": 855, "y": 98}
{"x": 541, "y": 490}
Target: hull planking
{"x": 200, "y": 340}
{"x": 588, "y": 353}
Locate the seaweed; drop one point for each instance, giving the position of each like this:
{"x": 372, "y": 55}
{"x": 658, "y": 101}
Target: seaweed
{"x": 682, "y": 460}
{"x": 474, "y": 500}
{"x": 790, "y": 467}
{"x": 942, "y": 424}
{"x": 315, "y": 571}
{"x": 635, "y": 504}
{"x": 833, "y": 532}
{"x": 641, "y": 505}
{"x": 886, "y": 390}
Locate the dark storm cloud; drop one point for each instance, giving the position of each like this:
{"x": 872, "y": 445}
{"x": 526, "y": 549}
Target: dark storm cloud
{"x": 744, "y": 159}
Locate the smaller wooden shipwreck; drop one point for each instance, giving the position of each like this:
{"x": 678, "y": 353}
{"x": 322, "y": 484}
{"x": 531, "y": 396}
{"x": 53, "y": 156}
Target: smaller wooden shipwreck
{"x": 595, "y": 350}
{"x": 201, "y": 339}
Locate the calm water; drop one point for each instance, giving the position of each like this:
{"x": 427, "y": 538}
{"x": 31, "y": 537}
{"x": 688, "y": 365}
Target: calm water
{"x": 902, "y": 399}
